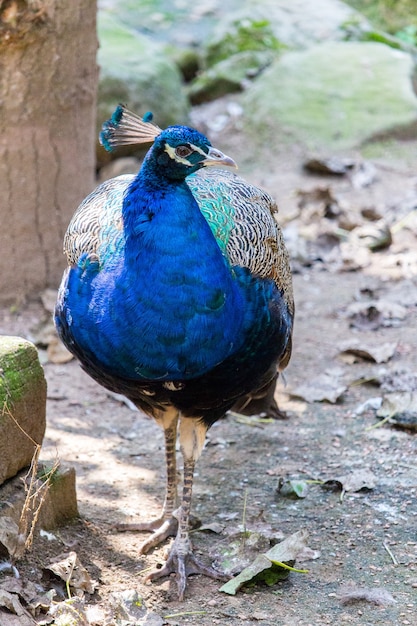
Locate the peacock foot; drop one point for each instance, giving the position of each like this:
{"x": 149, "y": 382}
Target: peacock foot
{"x": 183, "y": 563}
{"x": 162, "y": 529}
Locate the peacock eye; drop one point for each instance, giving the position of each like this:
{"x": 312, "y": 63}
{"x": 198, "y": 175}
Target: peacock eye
{"x": 183, "y": 151}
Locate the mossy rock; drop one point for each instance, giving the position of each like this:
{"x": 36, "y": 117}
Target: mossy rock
{"x": 135, "y": 70}
{"x": 242, "y": 34}
{"x": 228, "y": 76}
{"x": 335, "y": 95}
{"x": 23, "y": 404}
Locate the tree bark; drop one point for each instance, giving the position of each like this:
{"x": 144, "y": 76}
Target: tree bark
{"x": 48, "y": 86}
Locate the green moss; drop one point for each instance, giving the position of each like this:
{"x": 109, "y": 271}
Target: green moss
{"x": 334, "y": 94}
{"x": 242, "y": 36}
{"x": 403, "y": 152}
{"x": 389, "y": 15}
{"x": 135, "y": 70}
{"x": 19, "y": 364}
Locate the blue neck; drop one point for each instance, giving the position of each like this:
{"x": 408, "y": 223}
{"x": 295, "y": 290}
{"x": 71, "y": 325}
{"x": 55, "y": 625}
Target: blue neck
{"x": 173, "y": 270}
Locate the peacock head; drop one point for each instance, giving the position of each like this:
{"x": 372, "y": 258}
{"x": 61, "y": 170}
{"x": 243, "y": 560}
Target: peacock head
{"x": 177, "y": 151}
{"x": 180, "y": 151}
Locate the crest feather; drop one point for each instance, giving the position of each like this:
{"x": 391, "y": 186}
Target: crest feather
{"x": 125, "y": 128}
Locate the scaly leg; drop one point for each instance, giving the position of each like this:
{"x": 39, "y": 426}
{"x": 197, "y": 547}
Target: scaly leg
{"x": 166, "y": 524}
{"x": 181, "y": 559}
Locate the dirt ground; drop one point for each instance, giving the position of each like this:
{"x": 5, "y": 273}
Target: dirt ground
{"x": 363, "y": 564}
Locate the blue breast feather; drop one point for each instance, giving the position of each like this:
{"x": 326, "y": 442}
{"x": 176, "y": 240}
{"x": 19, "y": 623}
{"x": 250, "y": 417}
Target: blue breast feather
{"x": 165, "y": 303}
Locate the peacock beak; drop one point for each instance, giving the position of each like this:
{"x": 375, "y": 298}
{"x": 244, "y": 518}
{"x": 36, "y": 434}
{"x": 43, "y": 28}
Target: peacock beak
{"x": 215, "y": 157}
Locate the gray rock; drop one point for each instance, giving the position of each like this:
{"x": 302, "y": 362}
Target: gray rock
{"x": 22, "y": 405}
{"x": 135, "y": 70}
{"x": 228, "y": 76}
{"x": 336, "y": 94}
{"x": 300, "y": 24}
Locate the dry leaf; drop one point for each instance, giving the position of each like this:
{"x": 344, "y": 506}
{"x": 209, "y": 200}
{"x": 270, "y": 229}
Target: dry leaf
{"x": 28, "y": 592}
{"x": 401, "y": 408}
{"x": 375, "y": 314}
{"x": 11, "y": 602}
{"x": 70, "y": 570}
{"x": 378, "y": 353}
{"x": 327, "y": 386}
{"x": 69, "y": 613}
{"x": 376, "y": 236}
{"x": 334, "y": 165}
{"x": 355, "y": 481}
{"x": 9, "y": 534}
{"x": 11, "y": 619}
{"x": 350, "y": 593}
{"x": 372, "y": 404}
{"x": 398, "y": 380}
{"x": 128, "y": 608}
{"x": 352, "y": 255}
{"x": 270, "y": 565}
{"x": 363, "y": 175}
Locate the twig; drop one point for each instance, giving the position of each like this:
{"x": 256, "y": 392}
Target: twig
{"x": 393, "y": 559}
{"x": 185, "y": 613}
{"x": 245, "y": 502}
{"x": 381, "y": 423}
{"x": 35, "y": 492}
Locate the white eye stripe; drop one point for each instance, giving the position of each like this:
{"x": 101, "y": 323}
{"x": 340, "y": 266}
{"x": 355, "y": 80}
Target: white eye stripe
{"x": 171, "y": 151}
{"x": 197, "y": 149}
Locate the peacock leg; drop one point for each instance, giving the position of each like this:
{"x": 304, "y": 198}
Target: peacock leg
{"x": 166, "y": 524}
{"x": 181, "y": 559}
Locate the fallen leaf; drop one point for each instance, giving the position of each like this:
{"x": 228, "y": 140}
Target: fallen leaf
{"x": 326, "y": 386}
{"x": 129, "y": 608}
{"x": 398, "y": 380}
{"x": 291, "y": 488}
{"x": 11, "y": 619}
{"x": 378, "y": 353}
{"x": 350, "y": 593}
{"x": 69, "y": 613}
{"x": 28, "y": 592}
{"x": 372, "y": 404}
{"x": 352, "y": 255}
{"x": 271, "y": 566}
{"x": 11, "y": 602}
{"x": 9, "y": 534}
{"x": 375, "y": 314}
{"x": 321, "y": 197}
{"x": 214, "y": 527}
{"x": 72, "y": 572}
{"x": 376, "y": 236}
{"x": 241, "y": 550}
{"x": 400, "y": 407}
{"x": 334, "y": 165}
{"x": 355, "y": 481}
{"x": 363, "y": 175}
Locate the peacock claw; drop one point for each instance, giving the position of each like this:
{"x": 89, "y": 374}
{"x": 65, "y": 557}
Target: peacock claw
{"x": 162, "y": 529}
{"x": 168, "y": 528}
{"x": 184, "y": 565}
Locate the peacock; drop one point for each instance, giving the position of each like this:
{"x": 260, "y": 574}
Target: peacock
{"x": 178, "y": 295}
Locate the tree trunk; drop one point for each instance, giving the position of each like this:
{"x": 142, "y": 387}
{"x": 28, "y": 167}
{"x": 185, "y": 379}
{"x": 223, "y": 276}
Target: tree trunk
{"x": 48, "y": 85}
